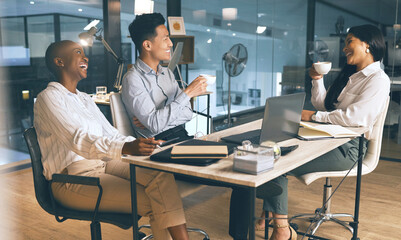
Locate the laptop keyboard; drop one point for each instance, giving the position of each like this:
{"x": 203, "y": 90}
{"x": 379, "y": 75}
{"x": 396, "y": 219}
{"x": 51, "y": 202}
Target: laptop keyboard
{"x": 254, "y": 139}
{"x": 252, "y": 136}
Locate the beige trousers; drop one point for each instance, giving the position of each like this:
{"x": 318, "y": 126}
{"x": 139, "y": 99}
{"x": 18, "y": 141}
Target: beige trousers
{"x": 157, "y": 193}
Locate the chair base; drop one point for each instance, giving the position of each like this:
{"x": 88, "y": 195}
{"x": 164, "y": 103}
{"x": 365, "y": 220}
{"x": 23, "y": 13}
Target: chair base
{"x": 319, "y": 218}
{"x": 206, "y": 236}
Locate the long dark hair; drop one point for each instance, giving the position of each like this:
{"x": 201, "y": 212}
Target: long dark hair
{"x": 374, "y": 38}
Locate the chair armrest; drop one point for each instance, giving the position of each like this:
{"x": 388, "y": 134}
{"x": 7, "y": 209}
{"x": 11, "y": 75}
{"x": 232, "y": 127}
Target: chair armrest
{"x": 92, "y": 181}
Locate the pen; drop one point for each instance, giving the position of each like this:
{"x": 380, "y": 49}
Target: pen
{"x": 144, "y": 136}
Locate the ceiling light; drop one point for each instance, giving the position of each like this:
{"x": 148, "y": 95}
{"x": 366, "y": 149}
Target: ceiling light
{"x": 143, "y": 6}
{"x": 209, "y": 40}
{"x": 79, "y": 9}
{"x": 91, "y": 24}
{"x": 31, "y": 2}
{"x": 208, "y": 30}
{"x": 229, "y": 24}
{"x": 229, "y": 13}
{"x": 260, "y": 29}
{"x": 234, "y": 34}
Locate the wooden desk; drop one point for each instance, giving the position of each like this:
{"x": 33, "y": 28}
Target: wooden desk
{"x": 222, "y": 171}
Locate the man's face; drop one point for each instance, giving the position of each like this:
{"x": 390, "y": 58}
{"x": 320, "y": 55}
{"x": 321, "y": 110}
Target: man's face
{"x": 161, "y": 44}
{"x": 75, "y": 63}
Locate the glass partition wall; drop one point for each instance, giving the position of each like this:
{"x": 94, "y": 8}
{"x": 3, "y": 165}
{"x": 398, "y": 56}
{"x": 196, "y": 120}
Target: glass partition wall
{"x": 26, "y": 30}
{"x": 392, "y": 132}
{"x": 282, "y": 38}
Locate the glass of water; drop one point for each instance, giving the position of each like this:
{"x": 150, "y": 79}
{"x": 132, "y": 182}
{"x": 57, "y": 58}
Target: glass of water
{"x": 101, "y": 92}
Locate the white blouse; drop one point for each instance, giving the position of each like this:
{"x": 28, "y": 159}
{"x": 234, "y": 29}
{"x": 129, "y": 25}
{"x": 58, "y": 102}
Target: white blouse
{"x": 360, "y": 102}
{"x": 70, "y": 127}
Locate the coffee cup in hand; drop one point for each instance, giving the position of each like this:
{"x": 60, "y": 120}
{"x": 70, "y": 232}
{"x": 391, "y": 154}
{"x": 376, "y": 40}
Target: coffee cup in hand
{"x": 210, "y": 78}
{"x": 322, "y": 67}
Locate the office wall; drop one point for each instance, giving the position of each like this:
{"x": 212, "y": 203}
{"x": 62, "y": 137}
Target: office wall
{"x": 276, "y": 57}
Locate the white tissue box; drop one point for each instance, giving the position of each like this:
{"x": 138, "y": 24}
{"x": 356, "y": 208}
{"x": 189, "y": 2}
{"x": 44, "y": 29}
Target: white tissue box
{"x": 253, "y": 161}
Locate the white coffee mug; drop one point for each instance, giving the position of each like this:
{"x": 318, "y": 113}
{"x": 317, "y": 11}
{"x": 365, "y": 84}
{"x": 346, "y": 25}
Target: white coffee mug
{"x": 211, "y": 79}
{"x": 322, "y": 67}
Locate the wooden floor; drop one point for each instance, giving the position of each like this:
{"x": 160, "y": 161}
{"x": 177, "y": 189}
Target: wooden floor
{"x": 380, "y": 215}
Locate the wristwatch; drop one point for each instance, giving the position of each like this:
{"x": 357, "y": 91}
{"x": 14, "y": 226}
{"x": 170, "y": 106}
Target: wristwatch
{"x": 314, "y": 116}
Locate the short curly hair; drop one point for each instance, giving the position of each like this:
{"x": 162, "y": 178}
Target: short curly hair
{"x": 144, "y": 28}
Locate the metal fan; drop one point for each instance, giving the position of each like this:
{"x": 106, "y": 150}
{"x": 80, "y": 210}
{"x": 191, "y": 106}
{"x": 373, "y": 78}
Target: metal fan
{"x": 235, "y": 62}
{"x": 318, "y": 51}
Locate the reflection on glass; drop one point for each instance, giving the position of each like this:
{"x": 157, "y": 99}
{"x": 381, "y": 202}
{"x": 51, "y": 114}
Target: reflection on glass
{"x": 13, "y": 51}
{"x": 70, "y": 27}
{"x": 40, "y": 34}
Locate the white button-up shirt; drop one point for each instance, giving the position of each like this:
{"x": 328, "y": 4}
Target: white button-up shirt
{"x": 360, "y": 102}
{"x": 70, "y": 127}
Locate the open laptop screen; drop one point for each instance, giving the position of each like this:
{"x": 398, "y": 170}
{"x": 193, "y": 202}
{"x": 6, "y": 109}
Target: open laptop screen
{"x": 280, "y": 121}
{"x": 282, "y": 117}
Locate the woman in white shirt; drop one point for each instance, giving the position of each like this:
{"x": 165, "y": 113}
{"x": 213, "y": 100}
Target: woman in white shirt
{"x": 76, "y": 139}
{"x": 355, "y": 99}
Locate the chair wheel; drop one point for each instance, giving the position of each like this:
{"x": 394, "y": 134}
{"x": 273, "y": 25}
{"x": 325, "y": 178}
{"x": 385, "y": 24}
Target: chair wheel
{"x": 206, "y": 238}
{"x": 318, "y": 210}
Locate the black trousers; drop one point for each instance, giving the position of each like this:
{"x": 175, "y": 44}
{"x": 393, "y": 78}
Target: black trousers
{"x": 239, "y": 214}
{"x": 239, "y": 207}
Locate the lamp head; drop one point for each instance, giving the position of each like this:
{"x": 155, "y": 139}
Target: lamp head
{"x": 86, "y": 38}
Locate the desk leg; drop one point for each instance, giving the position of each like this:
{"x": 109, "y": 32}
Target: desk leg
{"x": 134, "y": 205}
{"x": 358, "y": 189}
{"x": 252, "y": 200}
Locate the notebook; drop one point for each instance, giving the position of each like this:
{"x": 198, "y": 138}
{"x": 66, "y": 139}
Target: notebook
{"x": 165, "y": 156}
{"x": 280, "y": 121}
{"x": 314, "y": 131}
{"x": 199, "y": 151}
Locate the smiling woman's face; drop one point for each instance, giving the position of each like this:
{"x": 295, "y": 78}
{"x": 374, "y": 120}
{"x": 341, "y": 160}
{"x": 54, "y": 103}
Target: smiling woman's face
{"x": 355, "y": 50}
{"x": 74, "y": 60}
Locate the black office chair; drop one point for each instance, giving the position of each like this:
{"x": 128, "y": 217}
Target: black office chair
{"x": 45, "y": 198}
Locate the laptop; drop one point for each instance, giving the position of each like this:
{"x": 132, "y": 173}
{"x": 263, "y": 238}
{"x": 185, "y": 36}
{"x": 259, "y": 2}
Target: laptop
{"x": 280, "y": 121}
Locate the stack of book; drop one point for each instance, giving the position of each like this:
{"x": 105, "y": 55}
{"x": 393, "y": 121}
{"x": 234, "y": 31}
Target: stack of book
{"x": 259, "y": 159}
{"x": 199, "y": 151}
